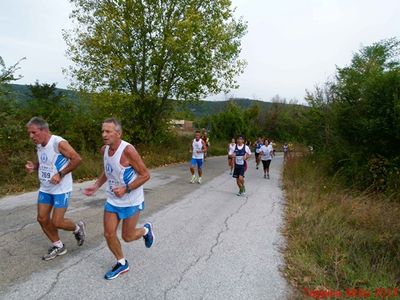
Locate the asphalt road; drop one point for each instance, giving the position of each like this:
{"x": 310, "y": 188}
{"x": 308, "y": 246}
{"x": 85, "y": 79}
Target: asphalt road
{"x": 210, "y": 243}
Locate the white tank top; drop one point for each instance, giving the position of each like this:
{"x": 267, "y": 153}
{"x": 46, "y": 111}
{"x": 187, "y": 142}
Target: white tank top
{"x": 51, "y": 161}
{"x": 118, "y": 175}
{"x": 232, "y": 147}
{"x": 197, "y": 146}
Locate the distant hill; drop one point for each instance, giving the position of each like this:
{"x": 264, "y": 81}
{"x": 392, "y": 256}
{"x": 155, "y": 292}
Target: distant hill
{"x": 205, "y": 108}
{"x": 21, "y": 92}
{"x": 196, "y": 108}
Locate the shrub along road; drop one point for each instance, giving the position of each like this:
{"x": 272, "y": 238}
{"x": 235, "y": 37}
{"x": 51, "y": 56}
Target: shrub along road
{"x": 210, "y": 243}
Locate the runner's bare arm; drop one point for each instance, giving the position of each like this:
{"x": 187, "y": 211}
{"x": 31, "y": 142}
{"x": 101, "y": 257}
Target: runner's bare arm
{"x": 89, "y": 191}
{"x": 204, "y": 147}
{"x": 247, "y": 154}
{"x": 74, "y": 161}
{"x": 143, "y": 175}
{"x": 74, "y": 158}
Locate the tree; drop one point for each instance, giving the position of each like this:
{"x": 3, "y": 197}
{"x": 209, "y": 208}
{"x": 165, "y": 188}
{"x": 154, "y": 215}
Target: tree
{"x": 49, "y": 103}
{"x": 45, "y": 91}
{"x": 11, "y": 125}
{"x": 355, "y": 119}
{"x": 7, "y": 74}
{"x": 154, "y": 51}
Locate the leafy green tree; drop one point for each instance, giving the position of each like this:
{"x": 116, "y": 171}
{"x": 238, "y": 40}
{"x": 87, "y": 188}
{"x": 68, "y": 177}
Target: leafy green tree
{"x": 45, "y": 91}
{"x": 366, "y": 112}
{"x": 7, "y": 74}
{"x": 316, "y": 126}
{"x": 154, "y": 51}
{"x": 232, "y": 122}
{"x": 49, "y": 103}
{"x": 282, "y": 121}
{"x": 356, "y": 118}
{"x": 11, "y": 125}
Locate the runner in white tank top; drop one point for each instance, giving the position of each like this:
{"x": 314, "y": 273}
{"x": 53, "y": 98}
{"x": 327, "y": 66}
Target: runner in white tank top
{"x": 231, "y": 150}
{"x": 197, "y": 147}
{"x": 56, "y": 160}
{"x": 118, "y": 175}
{"x": 125, "y": 174}
{"x": 51, "y": 161}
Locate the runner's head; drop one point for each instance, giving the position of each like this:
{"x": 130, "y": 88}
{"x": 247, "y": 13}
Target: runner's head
{"x": 197, "y": 135}
{"x": 233, "y": 141}
{"x": 38, "y": 130}
{"x": 240, "y": 140}
{"x": 111, "y": 131}
{"x": 266, "y": 142}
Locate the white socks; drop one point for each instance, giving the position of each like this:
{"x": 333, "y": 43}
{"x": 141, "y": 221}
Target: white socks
{"x": 146, "y": 231}
{"x": 58, "y": 244}
{"x": 122, "y": 261}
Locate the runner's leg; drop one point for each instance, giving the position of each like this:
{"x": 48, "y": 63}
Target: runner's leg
{"x": 239, "y": 184}
{"x": 111, "y": 223}
{"x": 129, "y": 231}
{"x": 60, "y": 222}
{"x": 43, "y": 217}
{"x": 199, "y": 167}
{"x": 241, "y": 181}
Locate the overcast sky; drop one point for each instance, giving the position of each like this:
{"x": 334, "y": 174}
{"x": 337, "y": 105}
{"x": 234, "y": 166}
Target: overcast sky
{"x": 291, "y": 45}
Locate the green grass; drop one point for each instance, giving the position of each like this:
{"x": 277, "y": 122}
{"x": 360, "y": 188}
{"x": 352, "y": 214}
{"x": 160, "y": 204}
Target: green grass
{"x": 336, "y": 238}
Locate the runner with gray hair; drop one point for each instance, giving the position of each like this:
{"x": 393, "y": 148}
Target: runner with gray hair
{"x": 56, "y": 160}
{"x": 125, "y": 173}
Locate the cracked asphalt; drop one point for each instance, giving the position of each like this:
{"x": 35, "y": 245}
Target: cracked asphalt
{"x": 210, "y": 243}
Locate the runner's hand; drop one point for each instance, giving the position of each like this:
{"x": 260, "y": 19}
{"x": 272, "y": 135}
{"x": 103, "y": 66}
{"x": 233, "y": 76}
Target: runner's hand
{"x": 119, "y": 191}
{"x": 89, "y": 191}
{"x": 30, "y": 167}
{"x": 56, "y": 179}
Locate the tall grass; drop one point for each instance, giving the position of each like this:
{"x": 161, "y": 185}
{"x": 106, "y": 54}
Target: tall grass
{"x": 338, "y": 239}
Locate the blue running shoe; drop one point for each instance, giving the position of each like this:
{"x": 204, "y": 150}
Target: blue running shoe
{"x": 117, "y": 270}
{"x": 149, "y": 237}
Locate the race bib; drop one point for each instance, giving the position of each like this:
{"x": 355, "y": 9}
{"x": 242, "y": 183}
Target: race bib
{"x": 111, "y": 185}
{"x": 45, "y": 173}
{"x": 239, "y": 160}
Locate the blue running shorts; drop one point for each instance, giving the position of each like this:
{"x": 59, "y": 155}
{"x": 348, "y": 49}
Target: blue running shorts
{"x": 56, "y": 200}
{"x": 123, "y": 212}
{"x": 196, "y": 161}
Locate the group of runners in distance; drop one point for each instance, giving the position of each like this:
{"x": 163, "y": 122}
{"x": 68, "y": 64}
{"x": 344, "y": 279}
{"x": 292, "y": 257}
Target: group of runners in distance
{"x": 124, "y": 174}
{"x": 238, "y": 154}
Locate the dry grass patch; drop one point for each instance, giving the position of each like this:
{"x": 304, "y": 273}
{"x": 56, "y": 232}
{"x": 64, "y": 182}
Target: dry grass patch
{"x": 338, "y": 239}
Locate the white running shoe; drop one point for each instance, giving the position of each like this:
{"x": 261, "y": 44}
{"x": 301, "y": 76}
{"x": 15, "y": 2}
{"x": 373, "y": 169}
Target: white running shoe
{"x": 54, "y": 251}
{"x": 193, "y": 180}
{"x": 199, "y": 180}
